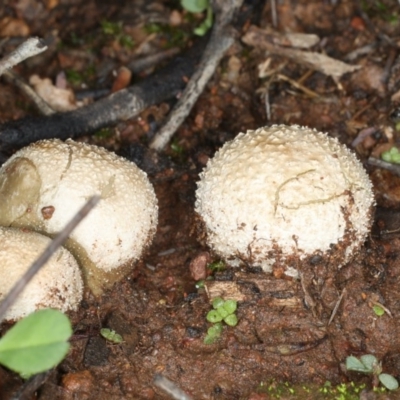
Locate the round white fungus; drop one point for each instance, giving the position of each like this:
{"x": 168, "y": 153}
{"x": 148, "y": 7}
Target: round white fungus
{"x": 281, "y": 194}
{"x": 58, "y": 284}
{"x": 43, "y": 185}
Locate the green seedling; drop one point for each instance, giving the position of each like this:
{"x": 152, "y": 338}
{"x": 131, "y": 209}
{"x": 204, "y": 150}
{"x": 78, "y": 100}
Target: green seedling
{"x": 223, "y": 311}
{"x": 379, "y": 311}
{"x": 391, "y": 156}
{"x": 199, "y": 6}
{"x": 369, "y": 364}
{"x": 111, "y": 335}
{"x": 216, "y": 266}
{"x": 36, "y": 343}
{"x": 290, "y": 391}
{"x": 115, "y": 29}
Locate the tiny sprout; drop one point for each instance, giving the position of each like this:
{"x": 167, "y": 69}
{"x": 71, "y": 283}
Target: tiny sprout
{"x": 379, "y": 311}
{"x": 197, "y": 6}
{"x": 216, "y": 266}
{"x": 223, "y": 311}
{"x": 111, "y": 335}
{"x": 391, "y": 156}
{"x": 369, "y": 364}
{"x": 230, "y": 306}
{"x": 200, "y": 284}
{"x": 231, "y": 320}
{"x": 217, "y": 302}
{"x": 214, "y": 316}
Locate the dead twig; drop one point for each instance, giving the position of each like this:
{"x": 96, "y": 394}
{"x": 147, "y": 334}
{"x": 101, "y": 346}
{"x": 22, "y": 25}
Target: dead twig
{"x": 376, "y": 162}
{"x": 31, "y": 47}
{"x": 122, "y": 105}
{"x": 310, "y": 93}
{"x": 334, "y": 312}
{"x": 11, "y": 297}
{"x": 31, "y": 385}
{"x": 222, "y": 37}
{"x": 17, "y": 81}
{"x": 170, "y": 388}
{"x": 316, "y": 61}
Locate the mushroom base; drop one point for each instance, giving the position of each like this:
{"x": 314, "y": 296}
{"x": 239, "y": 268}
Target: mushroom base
{"x": 273, "y": 260}
{"x": 97, "y": 279}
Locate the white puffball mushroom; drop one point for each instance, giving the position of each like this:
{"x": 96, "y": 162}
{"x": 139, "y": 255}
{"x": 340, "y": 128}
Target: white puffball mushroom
{"x": 58, "y": 284}
{"x": 282, "y": 194}
{"x": 43, "y": 185}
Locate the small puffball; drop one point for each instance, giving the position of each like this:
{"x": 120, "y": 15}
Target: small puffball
{"x": 281, "y": 194}
{"x": 43, "y": 185}
{"x": 58, "y": 284}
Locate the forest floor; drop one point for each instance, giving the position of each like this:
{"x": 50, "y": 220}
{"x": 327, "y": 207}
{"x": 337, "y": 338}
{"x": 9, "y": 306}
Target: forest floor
{"x": 158, "y": 309}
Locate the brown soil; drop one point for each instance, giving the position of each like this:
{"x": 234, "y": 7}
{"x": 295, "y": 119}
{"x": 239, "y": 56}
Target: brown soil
{"x": 158, "y": 309}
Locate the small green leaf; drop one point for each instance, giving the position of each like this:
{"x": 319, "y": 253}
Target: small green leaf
{"x": 213, "y": 316}
{"x": 210, "y": 339}
{"x": 370, "y": 362}
{"x": 194, "y": 6}
{"x": 217, "y": 302}
{"x": 111, "y": 335}
{"x": 354, "y": 364}
{"x": 200, "y": 284}
{"x": 386, "y": 156}
{"x": 212, "y": 331}
{"x": 230, "y": 306}
{"x": 389, "y": 381}
{"x": 218, "y": 327}
{"x": 216, "y": 266}
{"x": 231, "y": 320}
{"x": 396, "y": 158}
{"x": 36, "y": 343}
{"x": 202, "y": 29}
{"x": 222, "y": 312}
{"x": 379, "y": 311}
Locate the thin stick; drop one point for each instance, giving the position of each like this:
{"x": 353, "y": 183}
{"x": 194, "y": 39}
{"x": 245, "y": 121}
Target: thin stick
{"x": 31, "y": 385}
{"x": 16, "y": 80}
{"x": 20, "y": 285}
{"x": 274, "y": 14}
{"x": 376, "y": 162}
{"x": 297, "y": 85}
{"x": 335, "y": 309}
{"x": 170, "y": 388}
{"x": 31, "y": 47}
{"x": 221, "y": 39}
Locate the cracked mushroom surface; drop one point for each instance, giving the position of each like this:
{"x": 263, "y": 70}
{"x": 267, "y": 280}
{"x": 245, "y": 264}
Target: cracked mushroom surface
{"x": 58, "y": 284}
{"x": 43, "y": 185}
{"x": 278, "y": 195}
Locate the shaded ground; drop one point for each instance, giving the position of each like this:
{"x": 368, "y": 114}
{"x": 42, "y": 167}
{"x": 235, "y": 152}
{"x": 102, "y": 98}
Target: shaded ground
{"x": 158, "y": 309}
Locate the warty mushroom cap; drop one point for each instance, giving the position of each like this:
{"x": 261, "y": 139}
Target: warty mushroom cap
{"x": 43, "y": 185}
{"x": 282, "y": 193}
{"x": 58, "y": 284}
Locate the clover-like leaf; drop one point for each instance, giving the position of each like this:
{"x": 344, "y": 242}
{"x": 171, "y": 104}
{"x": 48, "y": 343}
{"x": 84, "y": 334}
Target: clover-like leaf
{"x": 354, "y": 364}
{"x": 36, "y": 343}
{"x": 389, "y": 381}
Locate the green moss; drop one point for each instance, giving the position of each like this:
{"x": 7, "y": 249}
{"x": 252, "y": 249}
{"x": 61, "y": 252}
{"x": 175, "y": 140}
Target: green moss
{"x": 287, "y": 391}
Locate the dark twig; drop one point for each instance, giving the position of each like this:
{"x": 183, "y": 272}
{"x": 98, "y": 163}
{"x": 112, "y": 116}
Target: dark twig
{"x": 122, "y": 105}
{"x": 376, "y": 162}
{"x": 222, "y": 37}
{"x": 11, "y": 297}
{"x": 31, "y": 385}
{"x": 170, "y": 388}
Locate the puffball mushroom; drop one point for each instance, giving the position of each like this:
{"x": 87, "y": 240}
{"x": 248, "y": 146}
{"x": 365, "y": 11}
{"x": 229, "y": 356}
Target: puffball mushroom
{"x": 43, "y": 185}
{"x": 281, "y": 194}
{"x": 58, "y": 284}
